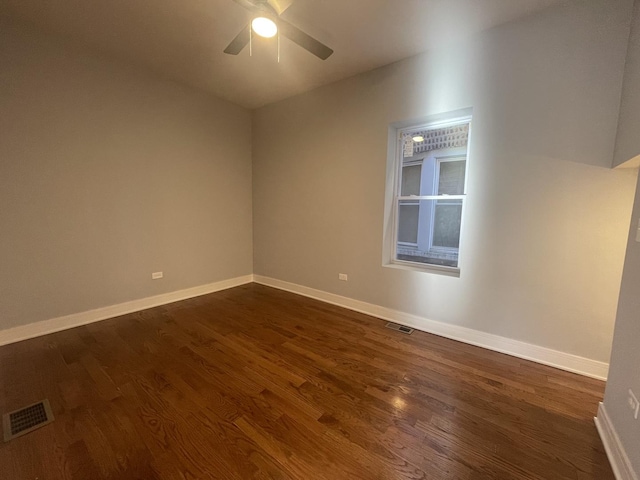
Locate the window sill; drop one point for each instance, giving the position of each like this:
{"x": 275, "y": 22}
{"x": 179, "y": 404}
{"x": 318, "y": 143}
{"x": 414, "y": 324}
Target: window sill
{"x": 424, "y": 268}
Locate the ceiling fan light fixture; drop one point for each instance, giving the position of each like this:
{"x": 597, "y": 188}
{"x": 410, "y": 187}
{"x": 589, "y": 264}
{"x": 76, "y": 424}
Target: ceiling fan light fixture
{"x": 265, "y": 27}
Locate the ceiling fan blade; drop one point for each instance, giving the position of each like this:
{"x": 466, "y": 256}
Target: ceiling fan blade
{"x": 248, "y": 4}
{"x": 307, "y": 42}
{"x": 280, "y": 5}
{"x": 238, "y": 43}
{"x": 272, "y": 7}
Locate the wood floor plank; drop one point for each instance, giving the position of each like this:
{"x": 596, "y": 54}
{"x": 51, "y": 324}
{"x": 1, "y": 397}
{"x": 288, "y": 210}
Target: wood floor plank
{"x": 257, "y": 383}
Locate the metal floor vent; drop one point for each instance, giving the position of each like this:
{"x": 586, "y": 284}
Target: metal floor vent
{"x": 27, "y": 419}
{"x": 399, "y": 328}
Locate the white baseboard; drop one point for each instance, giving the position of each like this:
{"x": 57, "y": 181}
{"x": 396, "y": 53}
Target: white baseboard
{"x": 516, "y": 348}
{"x": 52, "y": 325}
{"x": 546, "y": 356}
{"x": 618, "y": 458}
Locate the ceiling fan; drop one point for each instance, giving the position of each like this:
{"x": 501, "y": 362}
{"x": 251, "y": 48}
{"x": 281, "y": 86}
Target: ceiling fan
{"x": 267, "y": 23}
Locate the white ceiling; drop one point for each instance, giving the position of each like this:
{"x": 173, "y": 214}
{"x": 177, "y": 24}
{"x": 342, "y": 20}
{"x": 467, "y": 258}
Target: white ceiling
{"x": 184, "y": 39}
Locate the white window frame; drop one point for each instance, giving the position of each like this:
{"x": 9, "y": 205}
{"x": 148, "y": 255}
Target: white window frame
{"x": 395, "y": 163}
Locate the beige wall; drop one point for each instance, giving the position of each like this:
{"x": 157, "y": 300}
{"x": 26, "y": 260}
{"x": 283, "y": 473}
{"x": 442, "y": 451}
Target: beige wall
{"x": 624, "y": 373}
{"x": 107, "y": 175}
{"x": 628, "y": 139}
{"x": 546, "y": 222}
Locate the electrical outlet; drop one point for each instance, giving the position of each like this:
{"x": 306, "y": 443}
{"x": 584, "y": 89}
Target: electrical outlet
{"x": 343, "y": 277}
{"x": 633, "y": 404}
{"x": 156, "y": 275}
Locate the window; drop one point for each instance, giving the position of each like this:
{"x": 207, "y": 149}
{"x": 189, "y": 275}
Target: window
{"x": 429, "y": 192}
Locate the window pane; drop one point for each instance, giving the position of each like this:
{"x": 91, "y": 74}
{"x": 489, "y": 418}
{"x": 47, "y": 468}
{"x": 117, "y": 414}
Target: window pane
{"x": 408, "y": 223}
{"x": 451, "y": 180}
{"x": 429, "y": 231}
{"x": 446, "y": 225}
{"x": 411, "y": 180}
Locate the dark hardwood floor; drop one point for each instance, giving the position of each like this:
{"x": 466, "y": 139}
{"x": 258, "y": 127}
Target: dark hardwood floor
{"x": 256, "y": 383}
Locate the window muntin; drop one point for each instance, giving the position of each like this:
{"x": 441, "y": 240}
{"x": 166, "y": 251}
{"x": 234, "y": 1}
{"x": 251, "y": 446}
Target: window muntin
{"x": 430, "y": 196}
